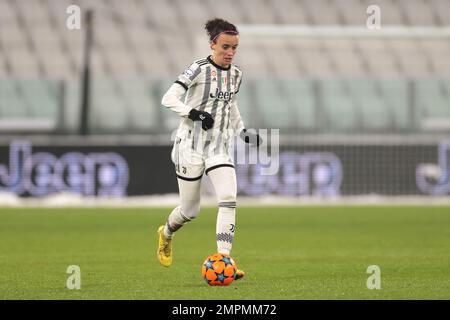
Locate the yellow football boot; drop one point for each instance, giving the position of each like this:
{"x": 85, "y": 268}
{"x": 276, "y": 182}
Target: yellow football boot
{"x": 239, "y": 274}
{"x": 164, "y": 252}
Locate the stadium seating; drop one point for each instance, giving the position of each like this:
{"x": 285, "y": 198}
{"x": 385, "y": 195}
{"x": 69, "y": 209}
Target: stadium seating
{"x": 142, "y": 45}
{"x": 11, "y": 102}
{"x": 433, "y": 99}
{"x": 338, "y": 105}
{"x": 395, "y": 94}
{"x": 301, "y": 99}
{"x": 30, "y": 105}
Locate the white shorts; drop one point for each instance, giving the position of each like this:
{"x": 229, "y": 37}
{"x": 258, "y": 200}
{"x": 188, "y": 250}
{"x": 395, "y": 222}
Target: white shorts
{"x": 191, "y": 164}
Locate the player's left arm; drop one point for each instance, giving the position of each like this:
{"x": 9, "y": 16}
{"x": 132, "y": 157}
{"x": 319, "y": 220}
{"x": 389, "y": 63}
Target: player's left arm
{"x": 235, "y": 117}
{"x": 238, "y": 125}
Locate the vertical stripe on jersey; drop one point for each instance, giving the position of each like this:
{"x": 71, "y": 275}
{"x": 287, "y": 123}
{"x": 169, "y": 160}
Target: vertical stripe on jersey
{"x": 190, "y": 93}
{"x": 235, "y": 97}
{"x": 209, "y": 133}
{"x": 219, "y": 147}
{"x": 207, "y": 90}
{"x": 227, "y": 128}
{"x": 196, "y": 135}
{"x": 197, "y": 126}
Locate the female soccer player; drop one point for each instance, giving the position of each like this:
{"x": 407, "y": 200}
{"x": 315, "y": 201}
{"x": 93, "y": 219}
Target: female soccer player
{"x": 209, "y": 120}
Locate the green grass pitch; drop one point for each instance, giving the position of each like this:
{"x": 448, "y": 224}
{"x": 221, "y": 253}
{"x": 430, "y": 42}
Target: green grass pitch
{"x": 286, "y": 252}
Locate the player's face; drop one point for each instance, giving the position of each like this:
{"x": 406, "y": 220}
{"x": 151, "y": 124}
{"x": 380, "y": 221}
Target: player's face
{"x": 224, "y": 49}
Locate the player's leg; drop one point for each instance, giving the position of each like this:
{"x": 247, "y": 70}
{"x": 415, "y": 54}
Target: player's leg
{"x": 189, "y": 168}
{"x": 188, "y": 208}
{"x": 185, "y": 212}
{"x": 182, "y": 214}
{"x": 223, "y": 178}
{"x": 189, "y": 174}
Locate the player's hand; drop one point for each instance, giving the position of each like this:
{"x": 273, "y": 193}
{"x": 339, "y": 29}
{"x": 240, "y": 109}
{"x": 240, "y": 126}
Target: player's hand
{"x": 253, "y": 139}
{"x": 203, "y": 116}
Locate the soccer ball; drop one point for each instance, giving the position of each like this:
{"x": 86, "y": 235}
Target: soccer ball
{"x": 219, "y": 270}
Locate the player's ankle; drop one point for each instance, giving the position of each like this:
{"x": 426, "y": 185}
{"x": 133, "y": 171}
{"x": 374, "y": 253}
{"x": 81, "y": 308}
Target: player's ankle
{"x": 167, "y": 233}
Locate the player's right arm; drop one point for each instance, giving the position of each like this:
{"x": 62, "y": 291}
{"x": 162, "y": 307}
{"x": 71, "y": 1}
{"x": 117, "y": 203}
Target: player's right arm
{"x": 172, "y": 98}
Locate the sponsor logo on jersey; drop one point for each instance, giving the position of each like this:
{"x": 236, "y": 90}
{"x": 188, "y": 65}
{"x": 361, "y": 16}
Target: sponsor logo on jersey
{"x": 221, "y": 95}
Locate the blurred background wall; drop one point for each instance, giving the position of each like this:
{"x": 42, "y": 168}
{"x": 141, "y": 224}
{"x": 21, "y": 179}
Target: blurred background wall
{"x": 360, "y": 111}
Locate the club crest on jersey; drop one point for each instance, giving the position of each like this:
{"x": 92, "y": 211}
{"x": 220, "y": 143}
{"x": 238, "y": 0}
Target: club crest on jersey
{"x": 221, "y": 95}
{"x": 213, "y": 75}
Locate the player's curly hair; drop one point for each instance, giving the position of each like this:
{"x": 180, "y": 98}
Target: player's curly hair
{"x": 216, "y": 26}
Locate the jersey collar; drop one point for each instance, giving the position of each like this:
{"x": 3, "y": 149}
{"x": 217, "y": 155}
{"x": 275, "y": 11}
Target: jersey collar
{"x": 216, "y": 65}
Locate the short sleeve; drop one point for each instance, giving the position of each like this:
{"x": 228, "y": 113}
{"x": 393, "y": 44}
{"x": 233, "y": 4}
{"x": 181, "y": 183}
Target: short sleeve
{"x": 188, "y": 77}
{"x": 239, "y": 83}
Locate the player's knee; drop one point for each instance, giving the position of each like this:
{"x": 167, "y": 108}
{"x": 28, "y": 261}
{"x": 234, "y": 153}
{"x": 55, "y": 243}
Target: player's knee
{"x": 190, "y": 209}
{"x": 227, "y": 200}
{"x": 226, "y": 195}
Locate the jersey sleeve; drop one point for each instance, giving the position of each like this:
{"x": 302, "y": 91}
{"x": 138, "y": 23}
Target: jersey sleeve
{"x": 239, "y": 84}
{"x": 238, "y": 79}
{"x": 172, "y": 98}
{"x": 189, "y": 76}
{"x": 235, "y": 118}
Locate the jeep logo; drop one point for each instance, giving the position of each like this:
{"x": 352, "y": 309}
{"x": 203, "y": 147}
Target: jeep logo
{"x": 221, "y": 95}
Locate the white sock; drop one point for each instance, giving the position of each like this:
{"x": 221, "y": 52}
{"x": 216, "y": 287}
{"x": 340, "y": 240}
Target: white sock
{"x": 224, "y": 182}
{"x": 174, "y": 222}
{"x": 225, "y": 226}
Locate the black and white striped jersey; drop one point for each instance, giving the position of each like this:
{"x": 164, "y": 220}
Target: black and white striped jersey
{"x": 211, "y": 88}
